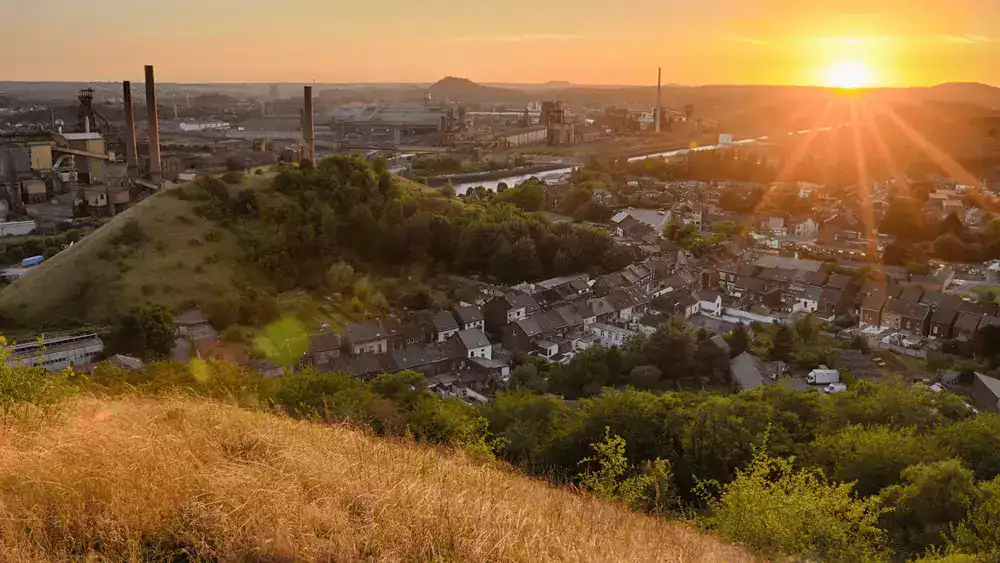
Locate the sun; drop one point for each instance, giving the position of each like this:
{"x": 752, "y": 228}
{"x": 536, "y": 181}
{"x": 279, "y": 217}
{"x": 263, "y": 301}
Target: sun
{"x": 849, "y": 74}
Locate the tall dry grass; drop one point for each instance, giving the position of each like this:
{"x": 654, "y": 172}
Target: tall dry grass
{"x": 180, "y": 479}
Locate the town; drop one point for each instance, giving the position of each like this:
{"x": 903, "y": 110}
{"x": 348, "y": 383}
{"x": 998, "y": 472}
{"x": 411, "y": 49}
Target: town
{"x": 830, "y": 264}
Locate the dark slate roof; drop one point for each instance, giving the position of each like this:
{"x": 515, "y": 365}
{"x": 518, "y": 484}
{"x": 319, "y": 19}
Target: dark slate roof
{"x": 469, "y": 314}
{"x": 831, "y": 295}
{"x": 978, "y": 308}
{"x": 944, "y": 316}
{"x": 324, "y": 342}
{"x": 749, "y": 371}
{"x": 875, "y": 301}
{"x": 363, "y": 332}
{"x": 530, "y": 326}
{"x": 190, "y": 317}
{"x": 747, "y": 270}
{"x": 968, "y": 322}
{"x": 989, "y": 320}
{"x": 812, "y": 293}
{"x": 411, "y": 357}
{"x": 907, "y": 309}
{"x": 815, "y": 278}
{"x": 601, "y": 306}
{"x": 521, "y": 301}
{"x": 451, "y": 349}
{"x": 367, "y": 364}
{"x": 443, "y": 321}
{"x": 473, "y": 338}
{"x": 756, "y": 285}
{"x": 621, "y": 300}
{"x": 706, "y": 295}
{"x": 838, "y": 281}
{"x": 940, "y": 300}
{"x": 912, "y": 294}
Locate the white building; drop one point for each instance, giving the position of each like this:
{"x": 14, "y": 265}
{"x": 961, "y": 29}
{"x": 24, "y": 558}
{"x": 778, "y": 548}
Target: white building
{"x": 57, "y": 353}
{"x": 476, "y": 344}
{"x": 611, "y": 336}
{"x": 806, "y": 229}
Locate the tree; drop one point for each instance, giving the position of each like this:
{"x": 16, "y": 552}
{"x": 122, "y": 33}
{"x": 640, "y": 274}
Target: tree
{"x": 147, "y": 332}
{"x": 646, "y": 490}
{"x": 448, "y": 191}
{"x": 873, "y": 456}
{"x": 932, "y": 498}
{"x": 781, "y": 347}
{"x": 645, "y": 377}
{"x": 806, "y": 328}
{"x": 236, "y": 164}
{"x": 949, "y": 247}
{"x": 976, "y": 440}
{"x": 771, "y": 506}
{"x": 979, "y": 533}
{"x": 951, "y": 225}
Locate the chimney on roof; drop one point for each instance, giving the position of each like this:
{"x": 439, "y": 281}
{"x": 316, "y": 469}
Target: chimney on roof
{"x": 131, "y": 155}
{"x": 154, "y": 127}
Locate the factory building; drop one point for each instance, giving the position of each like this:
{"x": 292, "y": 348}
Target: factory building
{"x": 392, "y": 124}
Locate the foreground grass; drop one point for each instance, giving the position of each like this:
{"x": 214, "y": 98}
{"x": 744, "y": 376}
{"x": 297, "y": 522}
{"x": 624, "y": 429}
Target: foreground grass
{"x": 181, "y": 479}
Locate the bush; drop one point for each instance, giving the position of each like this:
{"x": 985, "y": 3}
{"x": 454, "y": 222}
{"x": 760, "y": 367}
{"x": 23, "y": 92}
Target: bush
{"x": 773, "y": 507}
{"x": 233, "y": 178}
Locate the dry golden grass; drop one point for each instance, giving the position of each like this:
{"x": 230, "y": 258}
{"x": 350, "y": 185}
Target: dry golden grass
{"x": 177, "y": 479}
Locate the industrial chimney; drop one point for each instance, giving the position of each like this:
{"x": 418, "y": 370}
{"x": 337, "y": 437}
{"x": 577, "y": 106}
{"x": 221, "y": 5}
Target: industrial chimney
{"x": 131, "y": 154}
{"x": 154, "y": 128}
{"x": 659, "y": 101}
{"x": 309, "y": 125}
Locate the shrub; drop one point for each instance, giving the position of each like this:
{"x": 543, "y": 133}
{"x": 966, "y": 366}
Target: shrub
{"x": 233, "y": 178}
{"x": 773, "y": 507}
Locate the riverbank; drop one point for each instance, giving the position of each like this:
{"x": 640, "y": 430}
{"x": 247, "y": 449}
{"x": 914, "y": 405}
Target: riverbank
{"x": 472, "y": 178}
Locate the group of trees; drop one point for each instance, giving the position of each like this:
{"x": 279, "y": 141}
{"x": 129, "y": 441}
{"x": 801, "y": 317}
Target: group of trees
{"x": 345, "y": 210}
{"x": 916, "y": 236}
{"x": 879, "y": 471}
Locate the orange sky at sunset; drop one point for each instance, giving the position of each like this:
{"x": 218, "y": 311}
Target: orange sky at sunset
{"x": 872, "y": 42}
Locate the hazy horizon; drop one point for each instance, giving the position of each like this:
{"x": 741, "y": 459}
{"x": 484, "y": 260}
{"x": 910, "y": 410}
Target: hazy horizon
{"x": 746, "y": 42}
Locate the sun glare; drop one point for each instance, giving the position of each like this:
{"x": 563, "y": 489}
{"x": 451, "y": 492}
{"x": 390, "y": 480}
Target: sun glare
{"x": 849, "y": 74}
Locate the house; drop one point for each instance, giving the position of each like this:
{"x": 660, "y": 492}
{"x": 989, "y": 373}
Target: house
{"x": 503, "y": 310}
{"x": 709, "y": 302}
{"x": 942, "y": 321}
{"x": 602, "y": 309}
{"x": 445, "y": 326}
{"x": 966, "y": 325}
{"x": 675, "y": 303}
{"x": 56, "y": 353}
{"x": 324, "y": 348}
{"x": 807, "y": 228}
{"x": 369, "y": 337}
{"x": 978, "y": 308}
{"x": 857, "y": 363}
{"x": 906, "y": 316}
{"x": 808, "y": 301}
{"x": 127, "y": 363}
{"x": 469, "y": 317}
{"x": 937, "y": 300}
{"x": 611, "y": 336}
{"x": 638, "y": 223}
{"x": 839, "y": 281}
{"x": 871, "y": 307}
{"x": 475, "y": 343}
{"x": 774, "y": 223}
{"x": 986, "y": 392}
{"x": 748, "y": 371}
{"x": 219, "y": 351}
{"x": 832, "y": 301}
{"x": 267, "y": 368}
{"x": 912, "y": 294}
{"x": 193, "y": 326}
{"x": 365, "y": 367}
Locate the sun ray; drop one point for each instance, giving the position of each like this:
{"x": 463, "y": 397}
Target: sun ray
{"x": 939, "y": 157}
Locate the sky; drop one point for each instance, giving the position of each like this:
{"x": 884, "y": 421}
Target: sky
{"x": 877, "y": 42}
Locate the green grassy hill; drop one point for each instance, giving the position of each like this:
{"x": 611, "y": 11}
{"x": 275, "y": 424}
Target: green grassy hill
{"x": 174, "y": 257}
{"x": 181, "y": 479}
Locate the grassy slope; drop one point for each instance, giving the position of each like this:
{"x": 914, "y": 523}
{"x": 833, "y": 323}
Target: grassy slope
{"x": 147, "y": 478}
{"x": 90, "y": 280}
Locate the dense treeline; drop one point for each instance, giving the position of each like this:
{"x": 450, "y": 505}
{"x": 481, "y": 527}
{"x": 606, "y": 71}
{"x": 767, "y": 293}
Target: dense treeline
{"x": 345, "y": 210}
{"x": 13, "y": 250}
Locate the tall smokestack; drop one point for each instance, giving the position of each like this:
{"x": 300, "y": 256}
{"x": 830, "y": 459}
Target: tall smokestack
{"x": 154, "y": 127}
{"x": 309, "y": 125}
{"x": 131, "y": 154}
{"x": 659, "y": 88}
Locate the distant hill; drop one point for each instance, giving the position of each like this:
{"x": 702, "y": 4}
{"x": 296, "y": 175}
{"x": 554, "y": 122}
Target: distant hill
{"x": 182, "y": 479}
{"x": 967, "y": 92}
{"x": 467, "y": 91}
